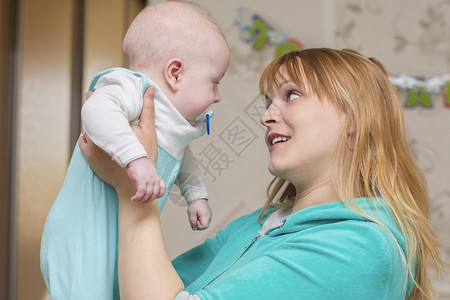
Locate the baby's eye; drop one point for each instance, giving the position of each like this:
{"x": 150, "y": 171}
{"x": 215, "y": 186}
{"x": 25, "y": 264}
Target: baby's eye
{"x": 291, "y": 95}
{"x": 216, "y": 83}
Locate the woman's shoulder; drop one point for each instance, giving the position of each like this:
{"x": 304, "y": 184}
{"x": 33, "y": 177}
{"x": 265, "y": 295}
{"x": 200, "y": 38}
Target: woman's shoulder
{"x": 363, "y": 245}
{"x": 348, "y": 253}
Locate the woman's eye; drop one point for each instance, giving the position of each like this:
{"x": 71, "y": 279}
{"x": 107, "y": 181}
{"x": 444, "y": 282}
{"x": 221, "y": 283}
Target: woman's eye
{"x": 291, "y": 95}
{"x": 267, "y": 101}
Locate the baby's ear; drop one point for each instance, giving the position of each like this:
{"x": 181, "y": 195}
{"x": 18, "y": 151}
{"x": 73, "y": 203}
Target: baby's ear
{"x": 173, "y": 72}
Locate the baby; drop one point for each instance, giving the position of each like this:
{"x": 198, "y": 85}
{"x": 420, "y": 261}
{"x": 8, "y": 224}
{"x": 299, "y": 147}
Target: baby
{"x": 178, "y": 49}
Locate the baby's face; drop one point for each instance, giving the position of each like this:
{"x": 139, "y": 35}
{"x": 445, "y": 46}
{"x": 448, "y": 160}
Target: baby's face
{"x": 200, "y": 85}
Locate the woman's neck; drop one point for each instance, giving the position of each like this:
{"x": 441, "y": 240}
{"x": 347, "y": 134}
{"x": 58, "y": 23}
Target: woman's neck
{"x": 318, "y": 194}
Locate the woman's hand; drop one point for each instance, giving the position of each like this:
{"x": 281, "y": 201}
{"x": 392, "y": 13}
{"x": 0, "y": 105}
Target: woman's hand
{"x": 100, "y": 162}
{"x": 145, "y": 131}
{"x": 105, "y": 167}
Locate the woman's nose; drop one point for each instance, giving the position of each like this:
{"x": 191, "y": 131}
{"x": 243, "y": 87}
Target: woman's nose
{"x": 270, "y": 116}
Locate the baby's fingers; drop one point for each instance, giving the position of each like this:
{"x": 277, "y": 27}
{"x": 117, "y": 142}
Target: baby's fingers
{"x": 154, "y": 190}
{"x": 193, "y": 220}
{"x": 162, "y": 188}
{"x": 141, "y": 191}
{"x": 203, "y": 222}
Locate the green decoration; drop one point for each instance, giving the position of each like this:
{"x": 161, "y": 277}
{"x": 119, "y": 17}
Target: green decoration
{"x": 259, "y": 29}
{"x": 290, "y": 45}
{"x": 446, "y": 93}
{"x": 418, "y": 95}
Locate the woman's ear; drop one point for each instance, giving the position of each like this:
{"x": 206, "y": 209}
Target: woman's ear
{"x": 351, "y": 126}
{"x": 173, "y": 72}
{"x": 350, "y": 134}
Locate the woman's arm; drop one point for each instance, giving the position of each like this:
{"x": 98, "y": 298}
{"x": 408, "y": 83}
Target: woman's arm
{"x": 145, "y": 271}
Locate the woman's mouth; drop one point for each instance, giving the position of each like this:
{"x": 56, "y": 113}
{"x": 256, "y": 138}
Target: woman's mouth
{"x": 274, "y": 139}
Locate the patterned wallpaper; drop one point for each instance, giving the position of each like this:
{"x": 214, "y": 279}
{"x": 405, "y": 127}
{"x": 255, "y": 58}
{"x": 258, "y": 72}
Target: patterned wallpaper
{"x": 398, "y": 29}
{"x": 408, "y": 36}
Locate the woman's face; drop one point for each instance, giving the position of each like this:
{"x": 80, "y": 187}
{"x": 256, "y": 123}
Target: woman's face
{"x": 302, "y": 134}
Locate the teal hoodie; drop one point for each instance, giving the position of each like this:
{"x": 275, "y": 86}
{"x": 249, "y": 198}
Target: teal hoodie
{"x": 320, "y": 252}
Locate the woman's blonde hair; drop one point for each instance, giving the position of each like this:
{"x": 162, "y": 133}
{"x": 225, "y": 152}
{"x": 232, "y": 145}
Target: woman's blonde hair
{"x": 381, "y": 165}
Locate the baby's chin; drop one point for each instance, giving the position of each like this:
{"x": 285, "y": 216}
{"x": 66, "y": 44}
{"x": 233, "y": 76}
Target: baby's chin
{"x": 189, "y": 119}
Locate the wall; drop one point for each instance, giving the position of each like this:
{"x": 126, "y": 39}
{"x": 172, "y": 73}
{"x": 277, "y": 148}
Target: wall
{"x": 415, "y": 41}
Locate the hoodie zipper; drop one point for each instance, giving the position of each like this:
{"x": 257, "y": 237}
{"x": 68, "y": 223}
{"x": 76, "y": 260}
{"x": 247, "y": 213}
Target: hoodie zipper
{"x": 236, "y": 260}
{"x": 251, "y": 243}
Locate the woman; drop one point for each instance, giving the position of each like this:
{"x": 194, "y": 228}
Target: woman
{"x": 347, "y": 215}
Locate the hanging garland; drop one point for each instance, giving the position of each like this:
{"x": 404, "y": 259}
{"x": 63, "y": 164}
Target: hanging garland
{"x": 254, "y": 29}
{"x": 418, "y": 92}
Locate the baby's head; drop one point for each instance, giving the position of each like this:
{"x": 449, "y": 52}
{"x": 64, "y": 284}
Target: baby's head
{"x": 183, "y": 50}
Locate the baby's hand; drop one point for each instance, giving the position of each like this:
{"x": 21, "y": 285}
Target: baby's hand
{"x": 199, "y": 214}
{"x": 149, "y": 186}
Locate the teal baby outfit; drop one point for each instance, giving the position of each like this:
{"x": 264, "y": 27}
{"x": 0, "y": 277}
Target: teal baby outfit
{"x": 320, "y": 252}
{"x": 79, "y": 242}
